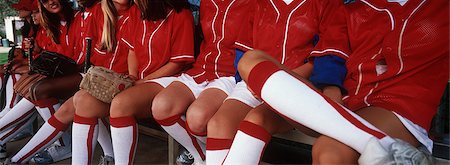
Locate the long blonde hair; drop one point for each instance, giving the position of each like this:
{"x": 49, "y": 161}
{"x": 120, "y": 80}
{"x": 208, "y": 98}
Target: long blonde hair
{"x": 110, "y": 15}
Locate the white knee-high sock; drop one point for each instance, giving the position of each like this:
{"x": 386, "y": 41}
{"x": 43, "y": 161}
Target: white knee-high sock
{"x": 176, "y": 127}
{"x": 10, "y": 133}
{"x": 84, "y": 136}
{"x": 217, "y": 150}
{"x": 299, "y": 102}
{"x": 50, "y": 132}
{"x": 11, "y": 97}
{"x": 124, "y": 136}
{"x": 23, "y": 110}
{"x": 48, "y": 107}
{"x": 248, "y": 144}
{"x": 104, "y": 138}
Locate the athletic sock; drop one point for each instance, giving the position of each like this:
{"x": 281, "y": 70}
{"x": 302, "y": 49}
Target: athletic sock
{"x": 50, "y": 131}
{"x": 84, "y": 136}
{"x": 21, "y": 111}
{"x": 302, "y": 104}
{"x": 104, "y": 138}
{"x": 217, "y": 150}
{"x": 248, "y": 144}
{"x": 124, "y": 137}
{"x": 176, "y": 127}
{"x": 48, "y": 107}
{"x": 10, "y": 133}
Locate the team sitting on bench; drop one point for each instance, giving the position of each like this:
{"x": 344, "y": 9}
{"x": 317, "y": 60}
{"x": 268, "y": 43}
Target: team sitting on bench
{"x": 364, "y": 77}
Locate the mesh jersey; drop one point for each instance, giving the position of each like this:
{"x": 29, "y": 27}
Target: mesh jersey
{"x": 401, "y": 63}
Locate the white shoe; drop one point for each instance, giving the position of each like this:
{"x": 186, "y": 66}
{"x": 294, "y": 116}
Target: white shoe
{"x": 106, "y": 160}
{"x": 374, "y": 153}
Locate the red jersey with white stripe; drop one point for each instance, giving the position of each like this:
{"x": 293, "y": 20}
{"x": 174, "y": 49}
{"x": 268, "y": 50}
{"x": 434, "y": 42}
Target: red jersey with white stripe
{"x": 400, "y": 57}
{"x": 117, "y": 59}
{"x": 41, "y": 38}
{"x": 66, "y": 44}
{"x": 158, "y": 42}
{"x": 82, "y": 22}
{"x": 220, "y": 21}
{"x": 286, "y": 31}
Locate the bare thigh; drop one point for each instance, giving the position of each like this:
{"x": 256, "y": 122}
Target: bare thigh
{"x": 65, "y": 113}
{"x": 174, "y": 100}
{"x": 135, "y": 101}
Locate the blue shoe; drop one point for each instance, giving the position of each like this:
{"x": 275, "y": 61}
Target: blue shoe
{"x": 52, "y": 154}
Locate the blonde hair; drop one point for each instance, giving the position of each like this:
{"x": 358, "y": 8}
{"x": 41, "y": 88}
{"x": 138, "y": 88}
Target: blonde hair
{"x": 110, "y": 15}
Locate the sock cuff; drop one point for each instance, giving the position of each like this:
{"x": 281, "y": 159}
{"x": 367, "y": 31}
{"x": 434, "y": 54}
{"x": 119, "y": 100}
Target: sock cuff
{"x": 194, "y": 133}
{"x": 255, "y": 131}
{"x": 46, "y": 102}
{"x": 119, "y": 122}
{"x": 218, "y": 144}
{"x": 85, "y": 120}
{"x": 53, "y": 121}
{"x": 259, "y": 74}
{"x": 169, "y": 121}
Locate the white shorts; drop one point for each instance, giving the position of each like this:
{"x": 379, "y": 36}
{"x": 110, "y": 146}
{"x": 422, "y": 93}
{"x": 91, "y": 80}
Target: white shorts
{"x": 163, "y": 81}
{"x": 226, "y": 84}
{"x": 418, "y": 132}
{"x": 242, "y": 94}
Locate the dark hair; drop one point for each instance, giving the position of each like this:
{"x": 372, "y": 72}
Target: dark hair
{"x": 51, "y": 21}
{"x": 28, "y": 28}
{"x": 153, "y": 10}
{"x": 87, "y": 3}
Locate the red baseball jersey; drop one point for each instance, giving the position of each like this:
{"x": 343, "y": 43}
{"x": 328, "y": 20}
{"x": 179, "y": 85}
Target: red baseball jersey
{"x": 82, "y": 23}
{"x": 66, "y": 39}
{"x": 400, "y": 58}
{"x": 117, "y": 59}
{"x": 158, "y": 42}
{"x": 220, "y": 21}
{"x": 41, "y": 38}
{"x": 286, "y": 31}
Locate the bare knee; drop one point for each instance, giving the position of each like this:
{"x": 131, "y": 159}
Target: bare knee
{"x": 329, "y": 151}
{"x": 66, "y": 112}
{"x": 162, "y": 107}
{"x": 197, "y": 117}
{"x": 215, "y": 123}
{"x": 250, "y": 59}
{"x": 120, "y": 105}
{"x": 41, "y": 90}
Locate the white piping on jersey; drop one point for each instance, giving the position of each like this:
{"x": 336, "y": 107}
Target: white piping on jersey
{"x": 379, "y": 52}
{"x": 244, "y": 46}
{"x": 203, "y": 66}
{"x": 401, "y": 37}
{"x": 98, "y": 51}
{"x": 214, "y": 20}
{"x": 329, "y": 50}
{"x": 117, "y": 43}
{"x": 182, "y": 56}
{"x": 150, "y": 44}
{"x": 287, "y": 29}
{"x": 360, "y": 78}
{"x": 145, "y": 31}
{"x": 126, "y": 42}
{"x": 223, "y": 36}
{"x": 276, "y": 9}
{"x": 385, "y": 10}
{"x": 370, "y": 92}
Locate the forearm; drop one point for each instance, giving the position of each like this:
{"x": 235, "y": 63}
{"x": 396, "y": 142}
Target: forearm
{"x": 169, "y": 69}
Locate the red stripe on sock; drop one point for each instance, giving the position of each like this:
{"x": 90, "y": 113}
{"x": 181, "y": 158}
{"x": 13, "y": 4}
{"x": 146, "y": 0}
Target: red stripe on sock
{"x": 194, "y": 133}
{"x": 13, "y": 130}
{"x": 255, "y": 131}
{"x": 43, "y": 103}
{"x": 11, "y": 104}
{"x": 218, "y": 144}
{"x": 58, "y": 125}
{"x": 30, "y": 112}
{"x": 133, "y": 146}
{"x": 193, "y": 139}
{"x": 84, "y": 120}
{"x": 169, "y": 121}
{"x": 259, "y": 74}
{"x": 40, "y": 146}
{"x": 120, "y": 122}
{"x": 89, "y": 141}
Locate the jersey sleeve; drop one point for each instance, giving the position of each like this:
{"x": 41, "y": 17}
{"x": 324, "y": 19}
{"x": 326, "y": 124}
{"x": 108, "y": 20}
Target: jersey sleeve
{"x": 333, "y": 36}
{"x": 182, "y": 37}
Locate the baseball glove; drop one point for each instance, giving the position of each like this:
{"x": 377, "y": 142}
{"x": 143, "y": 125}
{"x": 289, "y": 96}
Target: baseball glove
{"x": 23, "y": 85}
{"x": 53, "y": 64}
{"x": 104, "y": 84}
